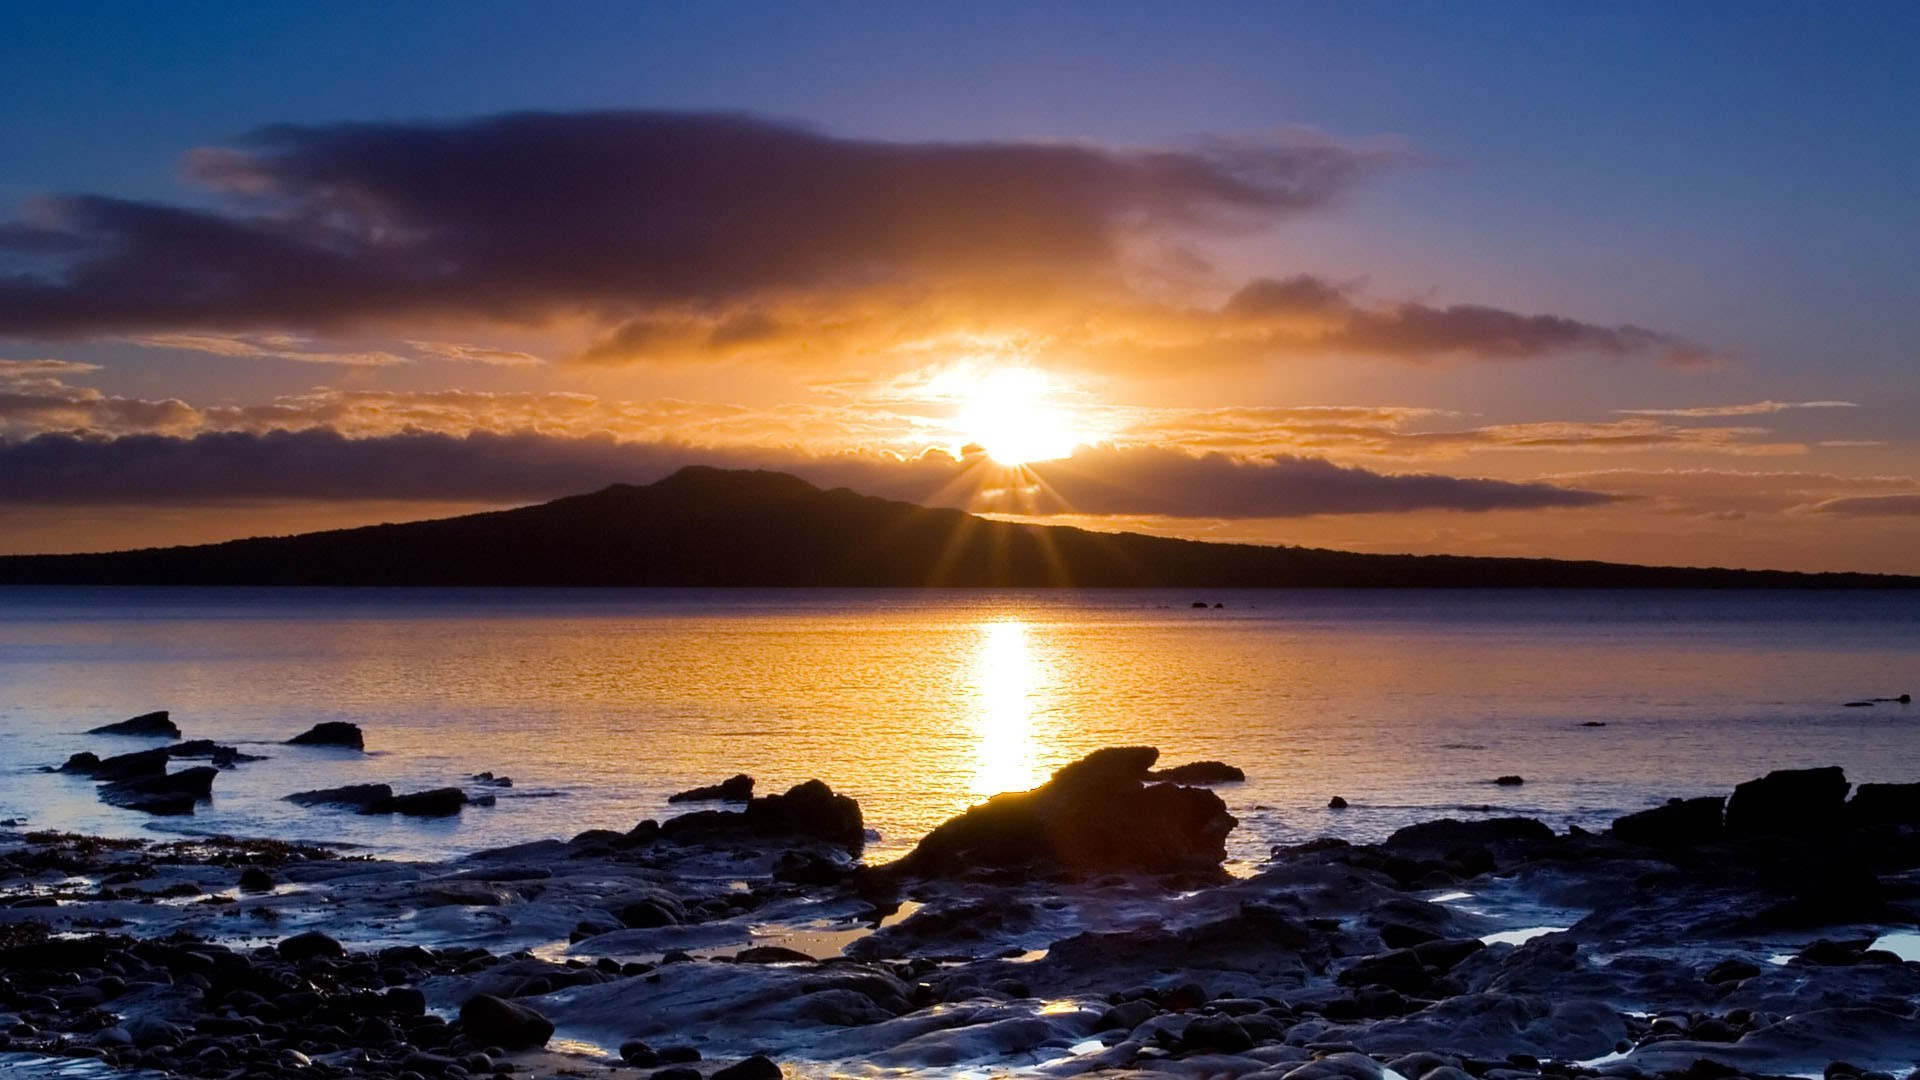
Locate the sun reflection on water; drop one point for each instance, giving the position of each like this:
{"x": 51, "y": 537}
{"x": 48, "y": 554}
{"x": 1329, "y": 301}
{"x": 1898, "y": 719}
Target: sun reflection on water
{"x": 1010, "y": 684}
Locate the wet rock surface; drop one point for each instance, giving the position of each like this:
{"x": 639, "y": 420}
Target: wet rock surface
{"x": 154, "y": 724}
{"x": 1490, "y": 949}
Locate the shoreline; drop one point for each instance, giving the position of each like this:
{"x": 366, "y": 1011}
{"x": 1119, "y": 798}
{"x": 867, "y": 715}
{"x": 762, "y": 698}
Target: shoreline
{"x": 1506, "y": 948}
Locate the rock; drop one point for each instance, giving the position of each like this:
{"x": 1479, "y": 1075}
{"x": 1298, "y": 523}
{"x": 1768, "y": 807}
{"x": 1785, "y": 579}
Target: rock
{"x": 1447, "y": 833}
{"x": 635, "y": 1052}
{"x": 736, "y": 788}
{"x": 1216, "y": 1034}
{"x": 310, "y": 944}
{"x": 1199, "y": 772}
{"x": 1733, "y": 969}
{"x": 1509, "y": 780}
{"x": 757, "y": 1067}
{"x": 1789, "y": 800}
{"x": 1336, "y": 803}
{"x": 362, "y": 795}
{"x": 503, "y": 1023}
{"x": 1095, "y": 815}
{"x": 331, "y": 733}
{"x": 158, "y": 724}
{"x": 120, "y": 766}
{"x": 1680, "y": 823}
{"x": 679, "y": 1054}
{"x": 491, "y": 780}
{"x": 1885, "y": 804}
{"x": 212, "y": 751}
{"x": 165, "y": 794}
{"x": 437, "y": 802}
{"x": 772, "y": 954}
{"x": 809, "y": 811}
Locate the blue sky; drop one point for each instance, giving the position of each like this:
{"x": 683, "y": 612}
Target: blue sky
{"x": 1733, "y": 174}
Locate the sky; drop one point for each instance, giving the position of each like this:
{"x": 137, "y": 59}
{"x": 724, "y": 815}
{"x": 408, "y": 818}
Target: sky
{"x": 1625, "y": 281}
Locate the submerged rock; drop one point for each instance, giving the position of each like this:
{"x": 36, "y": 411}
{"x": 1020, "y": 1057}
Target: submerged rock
{"x": 1097, "y": 814}
{"x": 1199, "y": 772}
{"x": 362, "y": 795}
{"x": 810, "y": 811}
{"x": 736, "y": 788}
{"x": 331, "y": 733}
{"x": 1789, "y": 800}
{"x": 1679, "y": 823}
{"x": 158, "y": 723}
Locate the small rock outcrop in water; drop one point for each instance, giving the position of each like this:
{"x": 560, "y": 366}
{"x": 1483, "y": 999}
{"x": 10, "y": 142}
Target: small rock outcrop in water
{"x": 1789, "y": 800}
{"x": 157, "y": 723}
{"x": 168, "y": 794}
{"x": 437, "y": 802}
{"x": 118, "y": 767}
{"x": 1679, "y": 823}
{"x": 1509, "y": 780}
{"x": 735, "y": 788}
{"x": 1098, "y": 814}
{"x": 1199, "y": 772}
{"x": 330, "y": 733}
{"x": 350, "y": 795}
{"x": 810, "y": 811}
{"x": 1336, "y": 803}
{"x": 1885, "y": 804}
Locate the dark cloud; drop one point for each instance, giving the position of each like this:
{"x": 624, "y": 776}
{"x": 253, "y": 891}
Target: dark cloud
{"x": 322, "y": 465}
{"x": 520, "y": 216}
{"x": 1309, "y": 309}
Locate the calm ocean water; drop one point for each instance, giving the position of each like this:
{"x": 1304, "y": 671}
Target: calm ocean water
{"x": 601, "y": 703}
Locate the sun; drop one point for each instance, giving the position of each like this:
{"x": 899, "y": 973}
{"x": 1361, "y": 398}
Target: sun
{"x": 1014, "y": 414}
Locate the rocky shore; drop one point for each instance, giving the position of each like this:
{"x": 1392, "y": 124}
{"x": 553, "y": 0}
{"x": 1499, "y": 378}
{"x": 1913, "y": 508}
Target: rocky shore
{"x": 1086, "y": 927}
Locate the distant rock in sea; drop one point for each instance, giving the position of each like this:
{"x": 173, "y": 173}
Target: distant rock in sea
{"x": 1199, "y": 772}
{"x": 331, "y": 733}
{"x": 157, "y": 724}
{"x": 736, "y": 788}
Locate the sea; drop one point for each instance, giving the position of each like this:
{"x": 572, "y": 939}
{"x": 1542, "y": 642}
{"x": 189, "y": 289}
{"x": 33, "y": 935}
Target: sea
{"x": 598, "y": 704}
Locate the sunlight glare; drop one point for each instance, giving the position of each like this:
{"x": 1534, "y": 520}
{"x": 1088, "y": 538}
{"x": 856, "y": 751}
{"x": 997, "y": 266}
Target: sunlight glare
{"x": 1015, "y": 416}
{"x": 1007, "y": 679}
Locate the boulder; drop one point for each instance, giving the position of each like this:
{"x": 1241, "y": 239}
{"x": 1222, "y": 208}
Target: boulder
{"x": 1336, "y": 803}
{"x": 158, "y": 724}
{"x": 331, "y": 733}
{"x": 1199, "y": 772}
{"x": 310, "y": 944}
{"x": 1096, "y": 815}
{"x": 1679, "y": 823}
{"x": 757, "y": 1067}
{"x": 506, "y": 1024}
{"x": 170, "y": 794}
{"x": 1789, "y": 800}
{"x": 1444, "y": 834}
{"x": 436, "y": 802}
{"x": 361, "y": 795}
{"x": 120, "y": 766}
{"x": 807, "y": 811}
{"x": 736, "y": 788}
{"x": 1510, "y": 780}
{"x": 1885, "y": 804}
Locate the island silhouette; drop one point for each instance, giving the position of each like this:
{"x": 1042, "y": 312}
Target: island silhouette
{"x": 705, "y": 526}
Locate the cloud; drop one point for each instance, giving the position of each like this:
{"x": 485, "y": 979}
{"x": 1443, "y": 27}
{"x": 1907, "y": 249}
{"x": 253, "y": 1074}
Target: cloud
{"x": 272, "y": 346}
{"x": 320, "y": 464}
{"x": 1757, "y": 408}
{"x": 1872, "y": 506}
{"x": 520, "y": 217}
{"x": 42, "y": 368}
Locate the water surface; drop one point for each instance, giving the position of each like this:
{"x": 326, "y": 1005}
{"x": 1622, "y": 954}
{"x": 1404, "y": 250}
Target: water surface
{"x": 918, "y": 703}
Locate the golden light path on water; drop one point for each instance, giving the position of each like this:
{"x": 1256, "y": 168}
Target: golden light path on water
{"x": 1012, "y": 690}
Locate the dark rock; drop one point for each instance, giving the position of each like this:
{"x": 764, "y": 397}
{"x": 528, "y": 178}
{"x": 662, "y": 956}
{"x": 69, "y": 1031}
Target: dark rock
{"x": 1885, "y": 804}
{"x": 1095, "y": 815}
{"x": 1510, "y": 780}
{"x": 773, "y": 954}
{"x": 650, "y": 913}
{"x": 679, "y": 1054}
{"x": 166, "y": 794}
{"x": 1199, "y": 772}
{"x": 757, "y": 1067}
{"x": 1396, "y": 935}
{"x": 1447, "y": 833}
{"x": 1789, "y": 800}
{"x": 1216, "y": 1034}
{"x": 437, "y": 802}
{"x": 635, "y": 1052}
{"x": 507, "y": 1024}
{"x": 491, "y": 780}
{"x": 362, "y": 795}
{"x": 736, "y": 788}
{"x": 1730, "y": 970}
{"x": 310, "y": 944}
{"x": 256, "y": 879}
{"x": 120, "y": 766}
{"x": 158, "y": 724}
{"x": 331, "y": 733}
{"x": 808, "y": 811}
{"x": 1680, "y": 823}
{"x": 1336, "y": 803}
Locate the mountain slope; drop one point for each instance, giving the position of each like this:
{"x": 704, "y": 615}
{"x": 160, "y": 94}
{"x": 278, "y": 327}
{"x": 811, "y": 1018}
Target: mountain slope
{"x": 712, "y": 527}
